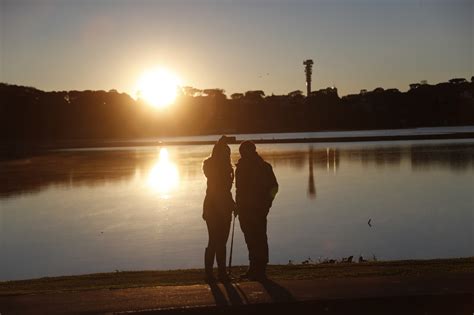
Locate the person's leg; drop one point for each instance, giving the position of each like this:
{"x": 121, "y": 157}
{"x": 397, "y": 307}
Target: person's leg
{"x": 261, "y": 248}
{"x": 223, "y": 235}
{"x": 264, "y": 240}
{"x": 210, "y": 250}
{"x": 247, "y": 227}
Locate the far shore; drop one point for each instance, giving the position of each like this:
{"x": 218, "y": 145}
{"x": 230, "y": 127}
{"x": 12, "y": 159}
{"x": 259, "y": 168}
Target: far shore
{"x": 459, "y": 135}
{"x": 13, "y": 149}
{"x": 133, "y": 279}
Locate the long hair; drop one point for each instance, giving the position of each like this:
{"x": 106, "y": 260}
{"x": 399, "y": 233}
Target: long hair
{"x": 220, "y": 157}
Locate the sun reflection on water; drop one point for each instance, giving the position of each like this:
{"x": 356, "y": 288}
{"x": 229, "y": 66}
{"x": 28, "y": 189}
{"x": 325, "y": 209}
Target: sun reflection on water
{"x": 164, "y": 175}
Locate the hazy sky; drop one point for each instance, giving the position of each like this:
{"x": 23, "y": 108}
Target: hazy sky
{"x": 107, "y": 44}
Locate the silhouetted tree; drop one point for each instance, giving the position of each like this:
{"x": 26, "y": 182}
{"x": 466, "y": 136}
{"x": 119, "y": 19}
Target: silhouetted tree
{"x": 28, "y": 115}
{"x": 414, "y": 86}
{"x": 297, "y": 94}
{"x": 457, "y": 80}
{"x": 218, "y": 93}
{"x": 236, "y": 96}
{"x": 254, "y": 95}
{"x": 190, "y": 91}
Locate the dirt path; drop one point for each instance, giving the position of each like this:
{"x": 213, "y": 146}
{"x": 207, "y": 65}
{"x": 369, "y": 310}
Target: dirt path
{"x": 436, "y": 293}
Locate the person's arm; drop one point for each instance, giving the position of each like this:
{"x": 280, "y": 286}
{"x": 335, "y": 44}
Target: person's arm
{"x": 272, "y": 184}
{"x": 238, "y": 185}
{"x": 205, "y": 168}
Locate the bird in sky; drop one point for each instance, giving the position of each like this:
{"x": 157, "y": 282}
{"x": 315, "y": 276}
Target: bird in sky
{"x": 369, "y": 222}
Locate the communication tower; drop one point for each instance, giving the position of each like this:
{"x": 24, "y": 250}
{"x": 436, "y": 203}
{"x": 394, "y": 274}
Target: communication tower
{"x": 308, "y": 69}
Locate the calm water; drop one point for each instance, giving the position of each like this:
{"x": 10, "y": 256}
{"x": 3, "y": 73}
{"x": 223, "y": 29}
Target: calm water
{"x": 85, "y": 211}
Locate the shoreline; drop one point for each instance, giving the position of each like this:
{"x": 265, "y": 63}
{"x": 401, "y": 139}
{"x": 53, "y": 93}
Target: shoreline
{"x": 137, "y": 279}
{"x": 458, "y": 135}
{"x": 27, "y": 148}
{"x": 437, "y": 286}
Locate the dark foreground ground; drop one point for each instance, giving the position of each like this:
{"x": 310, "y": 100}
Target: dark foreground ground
{"x": 398, "y": 287}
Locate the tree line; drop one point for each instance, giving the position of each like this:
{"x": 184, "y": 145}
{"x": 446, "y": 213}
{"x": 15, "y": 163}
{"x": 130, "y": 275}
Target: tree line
{"x": 30, "y": 115}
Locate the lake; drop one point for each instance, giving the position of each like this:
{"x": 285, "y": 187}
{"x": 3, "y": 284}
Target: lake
{"x": 99, "y": 210}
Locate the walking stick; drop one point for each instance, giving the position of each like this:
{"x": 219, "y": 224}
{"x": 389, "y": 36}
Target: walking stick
{"x": 231, "y": 246}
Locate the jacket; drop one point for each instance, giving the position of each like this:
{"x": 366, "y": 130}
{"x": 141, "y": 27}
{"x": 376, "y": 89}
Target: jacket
{"x": 218, "y": 202}
{"x": 256, "y": 186}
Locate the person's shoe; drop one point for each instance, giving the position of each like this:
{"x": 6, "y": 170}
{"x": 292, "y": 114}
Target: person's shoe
{"x": 249, "y": 274}
{"x": 260, "y": 274}
{"x": 259, "y": 277}
{"x": 209, "y": 277}
{"x": 208, "y": 266}
{"x": 246, "y": 275}
{"x": 223, "y": 277}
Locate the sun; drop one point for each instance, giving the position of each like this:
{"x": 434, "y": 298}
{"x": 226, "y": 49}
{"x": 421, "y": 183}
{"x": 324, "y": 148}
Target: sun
{"x": 158, "y": 87}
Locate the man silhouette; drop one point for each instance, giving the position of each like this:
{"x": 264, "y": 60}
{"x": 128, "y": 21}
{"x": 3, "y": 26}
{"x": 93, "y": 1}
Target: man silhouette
{"x": 256, "y": 187}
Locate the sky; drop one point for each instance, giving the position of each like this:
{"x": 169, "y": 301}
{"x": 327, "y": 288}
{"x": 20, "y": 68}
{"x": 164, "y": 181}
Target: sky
{"x": 235, "y": 45}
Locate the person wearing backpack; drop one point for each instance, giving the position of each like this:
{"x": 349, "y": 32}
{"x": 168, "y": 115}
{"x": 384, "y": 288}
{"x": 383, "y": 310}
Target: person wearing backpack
{"x": 256, "y": 188}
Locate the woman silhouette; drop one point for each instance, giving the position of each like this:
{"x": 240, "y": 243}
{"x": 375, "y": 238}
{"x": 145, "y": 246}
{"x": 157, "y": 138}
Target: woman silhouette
{"x": 218, "y": 207}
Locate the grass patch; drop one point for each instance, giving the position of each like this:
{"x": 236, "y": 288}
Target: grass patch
{"x": 131, "y": 279}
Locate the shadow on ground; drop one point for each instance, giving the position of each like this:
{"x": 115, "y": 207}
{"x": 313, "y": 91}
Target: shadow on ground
{"x": 426, "y": 304}
{"x": 230, "y": 294}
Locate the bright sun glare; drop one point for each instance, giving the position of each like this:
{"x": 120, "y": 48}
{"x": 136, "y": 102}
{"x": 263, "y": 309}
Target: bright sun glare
{"x": 158, "y": 87}
{"x": 164, "y": 175}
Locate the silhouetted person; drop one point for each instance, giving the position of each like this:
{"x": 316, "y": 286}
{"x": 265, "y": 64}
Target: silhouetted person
{"x": 256, "y": 188}
{"x": 218, "y": 207}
